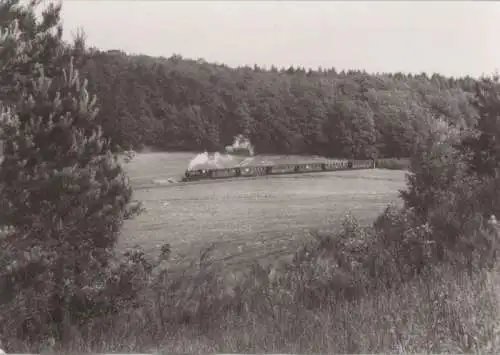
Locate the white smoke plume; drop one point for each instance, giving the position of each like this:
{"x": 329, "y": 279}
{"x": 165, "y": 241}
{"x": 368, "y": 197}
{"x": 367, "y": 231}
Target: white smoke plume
{"x": 205, "y": 161}
{"x": 198, "y": 160}
{"x": 240, "y": 145}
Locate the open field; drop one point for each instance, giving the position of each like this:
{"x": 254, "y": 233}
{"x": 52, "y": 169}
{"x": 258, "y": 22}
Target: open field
{"x": 147, "y": 167}
{"x": 255, "y": 218}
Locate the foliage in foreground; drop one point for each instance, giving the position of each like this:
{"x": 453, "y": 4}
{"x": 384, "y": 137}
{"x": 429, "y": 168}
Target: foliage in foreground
{"x": 324, "y": 301}
{"x": 63, "y": 195}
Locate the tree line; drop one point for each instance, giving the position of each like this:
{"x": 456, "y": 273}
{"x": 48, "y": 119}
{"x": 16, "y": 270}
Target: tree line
{"x": 183, "y": 104}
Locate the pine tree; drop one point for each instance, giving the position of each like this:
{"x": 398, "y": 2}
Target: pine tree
{"x": 26, "y": 41}
{"x": 63, "y": 194}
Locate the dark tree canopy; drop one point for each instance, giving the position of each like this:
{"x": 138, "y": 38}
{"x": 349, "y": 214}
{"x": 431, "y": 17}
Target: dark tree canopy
{"x": 182, "y": 104}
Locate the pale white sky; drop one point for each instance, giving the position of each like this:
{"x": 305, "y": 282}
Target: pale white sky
{"x": 452, "y": 38}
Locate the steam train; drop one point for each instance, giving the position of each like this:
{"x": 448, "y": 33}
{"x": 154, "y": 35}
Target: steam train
{"x": 279, "y": 169}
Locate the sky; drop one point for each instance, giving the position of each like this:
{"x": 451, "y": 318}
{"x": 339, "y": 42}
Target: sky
{"x": 450, "y": 38}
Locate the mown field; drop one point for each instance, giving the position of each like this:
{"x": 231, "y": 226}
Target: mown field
{"x": 247, "y": 219}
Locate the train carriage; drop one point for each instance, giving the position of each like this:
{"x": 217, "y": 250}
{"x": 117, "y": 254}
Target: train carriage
{"x": 248, "y": 171}
{"x": 283, "y": 169}
{"x": 330, "y": 166}
{"x": 355, "y": 164}
{"x": 261, "y": 170}
{"x": 304, "y": 168}
{"x": 363, "y": 164}
{"x": 316, "y": 167}
{"x": 223, "y": 173}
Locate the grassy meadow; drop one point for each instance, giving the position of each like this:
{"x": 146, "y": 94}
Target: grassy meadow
{"x": 248, "y": 219}
{"x": 226, "y": 307}
{"x": 259, "y": 311}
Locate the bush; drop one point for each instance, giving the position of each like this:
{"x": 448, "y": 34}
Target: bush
{"x": 452, "y": 202}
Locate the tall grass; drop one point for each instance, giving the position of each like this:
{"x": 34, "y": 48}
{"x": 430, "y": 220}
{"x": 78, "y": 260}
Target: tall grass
{"x": 296, "y": 308}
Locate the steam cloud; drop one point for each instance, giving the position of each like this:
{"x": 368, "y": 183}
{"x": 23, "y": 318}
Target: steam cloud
{"x": 205, "y": 161}
{"x": 241, "y": 145}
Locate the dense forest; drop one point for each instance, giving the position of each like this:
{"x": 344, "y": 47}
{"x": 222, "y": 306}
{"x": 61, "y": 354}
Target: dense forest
{"x": 181, "y": 104}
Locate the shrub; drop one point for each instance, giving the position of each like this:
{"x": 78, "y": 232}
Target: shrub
{"x": 452, "y": 202}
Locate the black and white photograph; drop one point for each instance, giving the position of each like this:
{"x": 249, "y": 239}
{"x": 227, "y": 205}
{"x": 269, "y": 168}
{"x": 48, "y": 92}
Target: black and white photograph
{"x": 249, "y": 177}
